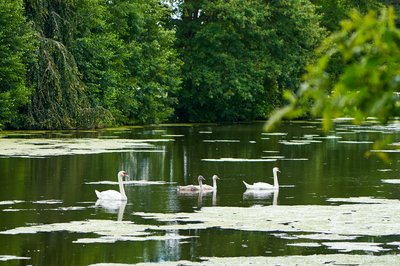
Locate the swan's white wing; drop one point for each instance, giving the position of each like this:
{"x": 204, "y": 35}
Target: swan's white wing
{"x": 109, "y": 195}
{"x": 259, "y": 185}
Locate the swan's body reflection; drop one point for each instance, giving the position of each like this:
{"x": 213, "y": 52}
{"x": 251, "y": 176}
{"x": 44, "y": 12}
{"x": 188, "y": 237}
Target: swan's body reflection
{"x": 112, "y": 206}
{"x": 200, "y": 195}
{"x": 252, "y": 194}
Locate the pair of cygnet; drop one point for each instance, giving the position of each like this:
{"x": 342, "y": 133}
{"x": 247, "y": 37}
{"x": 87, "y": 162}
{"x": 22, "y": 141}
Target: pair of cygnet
{"x": 200, "y": 186}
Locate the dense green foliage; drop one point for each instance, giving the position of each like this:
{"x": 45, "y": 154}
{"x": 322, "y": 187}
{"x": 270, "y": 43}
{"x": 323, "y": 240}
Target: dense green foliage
{"x": 366, "y": 86}
{"x": 334, "y": 11}
{"x": 101, "y": 63}
{"x": 240, "y": 54}
{"x": 127, "y": 55}
{"x": 16, "y": 49}
{"x": 96, "y": 63}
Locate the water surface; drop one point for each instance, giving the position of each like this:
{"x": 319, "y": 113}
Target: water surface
{"x": 45, "y": 186}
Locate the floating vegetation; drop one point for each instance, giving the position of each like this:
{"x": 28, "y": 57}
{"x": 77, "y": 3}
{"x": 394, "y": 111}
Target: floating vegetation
{"x": 282, "y": 158}
{"x": 113, "y": 239}
{"x": 108, "y": 231}
{"x": 236, "y": 160}
{"x": 222, "y": 140}
{"x": 294, "y": 159}
{"x": 353, "y": 246}
{"x": 385, "y": 151}
{"x": 10, "y": 202}
{"x": 395, "y": 243}
{"x": 342, "y": 222}
{"x": 275, "y": 133}
{"x": 354, "y": 142}
{"x": 51, "y": 201}
{"x": 329, "y": 137}
{"x": 297, "y": 142}
{"x": 305, "y": 244}
{"x": 364, "y": 200}
{"x": 12, "y": 257}
{"x": 321, "y": 260}
{"x": 361, "y": 219}
{"x": 331, "y": 237}
{"x": 131, "y": 182}
{"x": 55, "y": 147}
{"x": 391, "y": 181}
{"x": 273, "y": 157}
{"x": 385, "y": 170}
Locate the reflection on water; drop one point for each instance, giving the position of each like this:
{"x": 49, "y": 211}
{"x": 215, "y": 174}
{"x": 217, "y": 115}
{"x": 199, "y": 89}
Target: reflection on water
{"x": 113, "y": 206}
{"x": 314, "y": 168}
{"x": 200, "y": 195}
{"x": 251, "y": 194}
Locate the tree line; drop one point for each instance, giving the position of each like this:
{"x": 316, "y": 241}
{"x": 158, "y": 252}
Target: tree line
{"x": 95, "y": 63}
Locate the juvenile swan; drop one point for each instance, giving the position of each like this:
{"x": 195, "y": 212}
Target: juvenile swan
{"x": 214, "y": 186}
{"x": 192, "y": 188}
{"x": 266, "y": 186}
{"x": 113, "y": 194}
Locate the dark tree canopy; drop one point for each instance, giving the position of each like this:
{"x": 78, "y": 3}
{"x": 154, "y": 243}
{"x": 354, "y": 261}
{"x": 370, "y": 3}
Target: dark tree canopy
{"x": 239, "y": 55}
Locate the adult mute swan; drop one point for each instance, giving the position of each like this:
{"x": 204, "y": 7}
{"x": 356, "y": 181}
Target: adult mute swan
{"x": 192, "y": 188}
{"x": 266, "y": 186}
{"x": 113, "y": 194}
{"x": 207, "y": 188}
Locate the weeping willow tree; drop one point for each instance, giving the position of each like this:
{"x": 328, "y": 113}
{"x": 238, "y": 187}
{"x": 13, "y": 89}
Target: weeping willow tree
{"x": 101, "y": 63}
{"x": 58, "y": 99}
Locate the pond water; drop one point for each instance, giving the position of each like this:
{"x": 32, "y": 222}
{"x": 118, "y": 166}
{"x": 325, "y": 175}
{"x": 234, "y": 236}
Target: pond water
{"x": 49, "y": 214}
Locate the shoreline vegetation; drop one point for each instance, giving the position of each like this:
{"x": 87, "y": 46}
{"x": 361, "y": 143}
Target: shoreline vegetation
{"x": 149, "y": 61}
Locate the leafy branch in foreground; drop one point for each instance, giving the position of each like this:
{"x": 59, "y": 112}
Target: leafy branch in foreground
{"x": 357, "y": 74}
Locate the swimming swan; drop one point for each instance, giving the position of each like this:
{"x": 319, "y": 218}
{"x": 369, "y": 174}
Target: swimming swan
{"x": 214, "y": 186}
{"x": 192, "y": 188}
{"x": 113, "y": 194}
{"x": 266, "y": 186}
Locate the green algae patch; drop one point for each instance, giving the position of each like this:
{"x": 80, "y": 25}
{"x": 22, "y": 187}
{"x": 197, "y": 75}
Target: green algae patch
{"x": 375, "y": 218}
{"x": 107, "y": 231}
{"x": 11, "y": 147}
{"x": 12, "y": 257}
{"x": 323, "y": 260}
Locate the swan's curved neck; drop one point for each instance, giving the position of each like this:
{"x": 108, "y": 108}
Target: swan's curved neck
{"x": 276, "y": 184}
{"x": 215, "y": 184}
{"x": 201, "y": 184}
{"x": 121, "y": 187}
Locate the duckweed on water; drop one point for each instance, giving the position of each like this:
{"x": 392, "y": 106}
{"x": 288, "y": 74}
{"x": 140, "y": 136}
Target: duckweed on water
{"x": 325, "y": 260}
{"x": 363, "y": 219}
{"x": 348, "y": 220}
{"x": 56, "y": 147}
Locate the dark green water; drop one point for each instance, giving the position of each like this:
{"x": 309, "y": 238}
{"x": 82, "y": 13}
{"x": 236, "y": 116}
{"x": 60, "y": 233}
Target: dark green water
{"x": 313, "y": 169}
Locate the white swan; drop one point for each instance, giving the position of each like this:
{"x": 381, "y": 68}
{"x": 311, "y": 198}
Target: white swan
{"x": 266, "y": 186}
{"x": 214, "y": 186}
{"x": 192, "y": 188}
{"x": 113, "y": 194}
